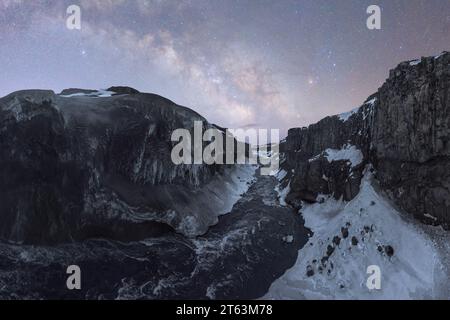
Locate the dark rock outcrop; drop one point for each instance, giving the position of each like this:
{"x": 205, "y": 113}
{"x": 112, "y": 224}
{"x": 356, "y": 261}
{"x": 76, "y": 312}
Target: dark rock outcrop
{"x": 123, "y": 90}
{"x": 68, "y": 92}
{"x": 77, "y": 166}
{"x": 403, "y": 130}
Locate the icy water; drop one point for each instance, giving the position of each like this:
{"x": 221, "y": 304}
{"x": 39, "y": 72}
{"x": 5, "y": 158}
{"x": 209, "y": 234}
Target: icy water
{"x": 238, "y": 258}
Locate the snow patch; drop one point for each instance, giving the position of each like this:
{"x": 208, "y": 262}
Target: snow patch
{"x": 415, "y": 62}
{"x": 429, "y": 216}
{"x": 348, "y": 152}
{"x": 346, "y": 115}
{"x": 280, "y": 175}
{"x": 288, "y": 238}
{"x": 371, "y": 102}
{"x": 282, "y": 194}
{"x": 236, "y": 183}
{"x": 97, "y": 94}
{"x": 366, "y": 227}
{"x": 439, "y": 55}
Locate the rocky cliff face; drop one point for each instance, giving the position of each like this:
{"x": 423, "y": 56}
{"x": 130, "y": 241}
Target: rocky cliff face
{"x": 410, "y": 137}
{"x": 403, "y": 130}
{"x": 88, "y": 162}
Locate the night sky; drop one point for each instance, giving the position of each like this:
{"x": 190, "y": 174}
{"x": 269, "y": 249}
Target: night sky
{"x": 254, "y": 63}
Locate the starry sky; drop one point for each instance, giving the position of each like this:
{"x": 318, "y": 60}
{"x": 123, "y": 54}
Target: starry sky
{"x": 239, "y": 63}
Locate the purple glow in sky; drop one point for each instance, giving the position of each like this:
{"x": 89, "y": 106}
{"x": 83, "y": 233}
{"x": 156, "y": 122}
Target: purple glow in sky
{"x": 249, "y": 63}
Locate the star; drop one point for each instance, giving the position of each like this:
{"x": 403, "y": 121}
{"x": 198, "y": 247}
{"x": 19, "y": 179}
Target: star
{"x": 207, "y": 55}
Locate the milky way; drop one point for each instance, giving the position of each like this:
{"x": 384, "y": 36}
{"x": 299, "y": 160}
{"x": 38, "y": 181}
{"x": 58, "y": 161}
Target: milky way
{"x": 269, "y": 64}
